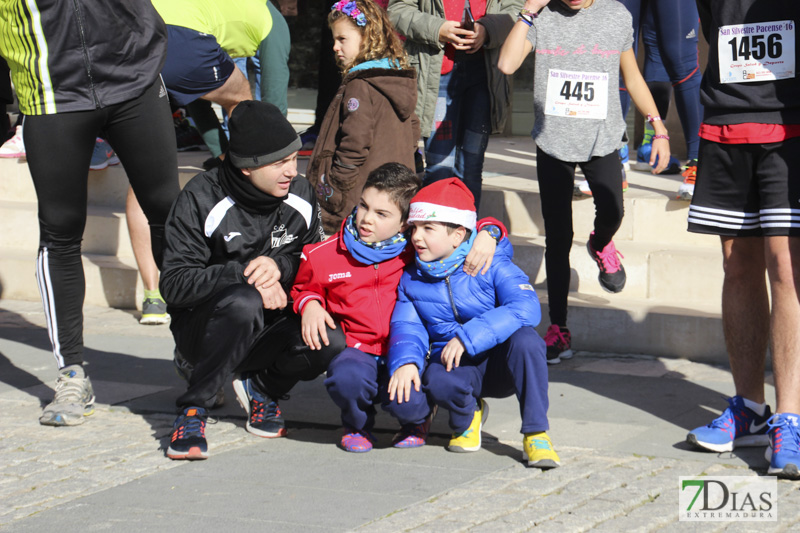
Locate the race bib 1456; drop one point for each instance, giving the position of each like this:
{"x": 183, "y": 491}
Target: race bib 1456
{"x": 763, "y": 51}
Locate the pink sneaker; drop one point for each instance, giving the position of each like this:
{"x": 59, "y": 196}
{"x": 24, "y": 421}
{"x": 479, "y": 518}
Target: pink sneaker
{"x": 14, "y": 147}
{"x": 558, "y": 341}
{"x": 414, "y": 436}
{"x": 357, "y": 441}
{"x": 612, "y": 275}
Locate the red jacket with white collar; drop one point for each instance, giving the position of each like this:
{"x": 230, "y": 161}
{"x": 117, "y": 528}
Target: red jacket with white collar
{"x": 360, "y": 297}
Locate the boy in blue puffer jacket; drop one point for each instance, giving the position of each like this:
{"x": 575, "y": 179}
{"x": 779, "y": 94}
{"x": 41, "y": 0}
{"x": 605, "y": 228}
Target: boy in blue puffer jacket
{"x": 479, "y": 329}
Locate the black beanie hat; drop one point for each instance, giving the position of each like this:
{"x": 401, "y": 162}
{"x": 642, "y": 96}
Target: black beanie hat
{"x": 260, "y": 135}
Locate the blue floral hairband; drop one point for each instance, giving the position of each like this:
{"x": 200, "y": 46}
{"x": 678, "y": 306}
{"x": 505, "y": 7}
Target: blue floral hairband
{"x": 349, "y": 8}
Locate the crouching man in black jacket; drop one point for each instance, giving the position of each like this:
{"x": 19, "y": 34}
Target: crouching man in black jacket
{"x": 232, "y": 247}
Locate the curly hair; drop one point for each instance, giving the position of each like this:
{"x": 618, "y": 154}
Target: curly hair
{"x": 378, "y": 37}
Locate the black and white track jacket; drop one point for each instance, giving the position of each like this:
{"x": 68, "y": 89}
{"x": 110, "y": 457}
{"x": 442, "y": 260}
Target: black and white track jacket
{"x": 209, "y": 239}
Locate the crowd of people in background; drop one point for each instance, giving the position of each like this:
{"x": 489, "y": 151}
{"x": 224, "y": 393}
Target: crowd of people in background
{"x": 374, "y": 269}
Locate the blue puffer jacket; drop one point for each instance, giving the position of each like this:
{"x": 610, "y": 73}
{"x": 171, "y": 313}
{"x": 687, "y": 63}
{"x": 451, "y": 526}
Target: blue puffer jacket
{"x": 482, "y": 311}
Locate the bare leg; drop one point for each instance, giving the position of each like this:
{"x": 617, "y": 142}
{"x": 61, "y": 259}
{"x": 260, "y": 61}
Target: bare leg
{"x": 783, "y": 265}
{"x": 140, "y": 241}
{"x": 745, "y": 313}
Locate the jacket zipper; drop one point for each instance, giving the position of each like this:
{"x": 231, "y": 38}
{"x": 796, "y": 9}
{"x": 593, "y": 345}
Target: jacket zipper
{"x": 452, "y": 300}
{"x": 378, "y": 297}
{"x": 85, "y": 53}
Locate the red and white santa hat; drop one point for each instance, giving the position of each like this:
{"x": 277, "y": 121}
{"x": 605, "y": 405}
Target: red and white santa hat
{"x": 444, "y": 201}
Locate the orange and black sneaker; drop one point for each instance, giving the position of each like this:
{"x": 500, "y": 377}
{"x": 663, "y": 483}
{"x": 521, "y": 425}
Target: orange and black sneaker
{"x": 686, "y": 190}
{"x": 189, "y": 435}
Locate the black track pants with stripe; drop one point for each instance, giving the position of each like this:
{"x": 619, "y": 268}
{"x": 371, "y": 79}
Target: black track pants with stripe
{"x": 59, "y": 149}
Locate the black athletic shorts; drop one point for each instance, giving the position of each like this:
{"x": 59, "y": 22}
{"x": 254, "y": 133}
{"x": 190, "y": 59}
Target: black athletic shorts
{"x": 195, "y": 65}
{"x": 747, "y": 190}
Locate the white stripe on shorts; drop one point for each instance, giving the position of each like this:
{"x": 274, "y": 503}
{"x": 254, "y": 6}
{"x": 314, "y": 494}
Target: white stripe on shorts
{"x": 723, "y": 218}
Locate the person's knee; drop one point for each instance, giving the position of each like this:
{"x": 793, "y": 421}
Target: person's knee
{"x": 320, "y": 360}
{"x": 348, "y": 377}
{"x": 475, "y": 142}
{"x": 441, "y": 385}
{"x": 611, "y": 211}
{"x": 61, "y": 246}
{"x": 527, "y": 340}
{"x": 416, "y": 408}
{"x": 337, "y": 343}
{"x": 241, "y": 303}
{"x": 783, "y": 260}
{"x": 743, "y": 259}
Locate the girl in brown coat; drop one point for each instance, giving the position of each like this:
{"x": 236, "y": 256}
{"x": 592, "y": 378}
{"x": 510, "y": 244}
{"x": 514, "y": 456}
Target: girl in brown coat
{"x": 371, "y": 119}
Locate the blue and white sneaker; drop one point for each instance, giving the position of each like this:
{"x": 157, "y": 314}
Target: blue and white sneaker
{"x": 783, "y": 452}
{"x": 189, "y": 435}
{"x": 263, "y": 413}
{"x": 103, "y": 155}
{"x": 643, "y": 161}
{"x": 623, "y": 157}
{"x": 737, "y": 427}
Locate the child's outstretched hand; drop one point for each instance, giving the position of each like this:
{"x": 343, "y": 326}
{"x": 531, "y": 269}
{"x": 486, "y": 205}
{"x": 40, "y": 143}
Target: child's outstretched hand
{"x": 315, "y": 317}
{"x": 479, "y": 258}
{"x": 400, "y": 383}
{"x": 660, "y": 149}
{"x": 452, "y": 352}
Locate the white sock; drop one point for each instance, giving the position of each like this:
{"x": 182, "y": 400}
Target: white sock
{"x": 758, "y": 408}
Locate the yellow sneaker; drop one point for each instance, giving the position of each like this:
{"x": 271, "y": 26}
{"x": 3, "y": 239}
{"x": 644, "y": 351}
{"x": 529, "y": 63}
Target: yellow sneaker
{"x": 470, "y": 440}
{"x": 538, "y": 451}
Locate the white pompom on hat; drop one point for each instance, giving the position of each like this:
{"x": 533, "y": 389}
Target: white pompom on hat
{"x": 444, "y": 201}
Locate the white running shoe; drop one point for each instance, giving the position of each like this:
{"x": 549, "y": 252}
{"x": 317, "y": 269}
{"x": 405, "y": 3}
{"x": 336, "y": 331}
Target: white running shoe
{"x": 14, "y": 147}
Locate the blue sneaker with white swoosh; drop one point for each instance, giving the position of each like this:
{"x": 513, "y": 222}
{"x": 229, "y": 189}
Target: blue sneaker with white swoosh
{"x": 783, "y": 452}
{"x": 738, "y": 426}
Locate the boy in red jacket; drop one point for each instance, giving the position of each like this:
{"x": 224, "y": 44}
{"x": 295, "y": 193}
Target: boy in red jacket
{"x": 351, "y": 278}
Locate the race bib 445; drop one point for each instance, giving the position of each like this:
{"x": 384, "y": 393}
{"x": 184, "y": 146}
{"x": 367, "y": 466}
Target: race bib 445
{"x": 577, "y": 94}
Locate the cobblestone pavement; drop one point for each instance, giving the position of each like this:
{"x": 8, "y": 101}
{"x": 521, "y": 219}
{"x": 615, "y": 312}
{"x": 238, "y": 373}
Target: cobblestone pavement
{"x": 591, "y": 491}
{"x": 42, "y": 468}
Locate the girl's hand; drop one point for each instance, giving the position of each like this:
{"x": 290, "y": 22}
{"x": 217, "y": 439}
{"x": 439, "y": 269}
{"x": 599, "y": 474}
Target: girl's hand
{"x": 452, "y": 32}
{"x": 481, "y": 255}
{"x": 401, "y": 381}
{"x": 661, "y": 151}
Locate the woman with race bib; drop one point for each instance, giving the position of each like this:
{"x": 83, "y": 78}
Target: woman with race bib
{"x": 581, "y": 47}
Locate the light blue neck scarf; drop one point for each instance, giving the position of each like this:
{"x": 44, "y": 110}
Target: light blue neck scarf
{"x": 442, "y": 268}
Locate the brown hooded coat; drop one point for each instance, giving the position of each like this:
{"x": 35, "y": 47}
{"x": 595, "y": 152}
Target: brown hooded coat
{"x": 370, "y": 122}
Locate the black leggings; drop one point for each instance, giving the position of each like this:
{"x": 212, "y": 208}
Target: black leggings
{"x": 556, "y": 182}
{"x": 59, "y": 149}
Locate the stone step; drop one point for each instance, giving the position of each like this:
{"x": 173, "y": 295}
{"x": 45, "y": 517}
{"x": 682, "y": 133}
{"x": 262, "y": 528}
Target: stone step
{"x": 106, "y": 230}
{"x": 632, "y": 326}
{"x": 685, "y": 275}
{"x": 110, "y": 281}
{"x": 652, "y": 215}
{"x": 107, "y": 187}
{"x": 670, "y": 305}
